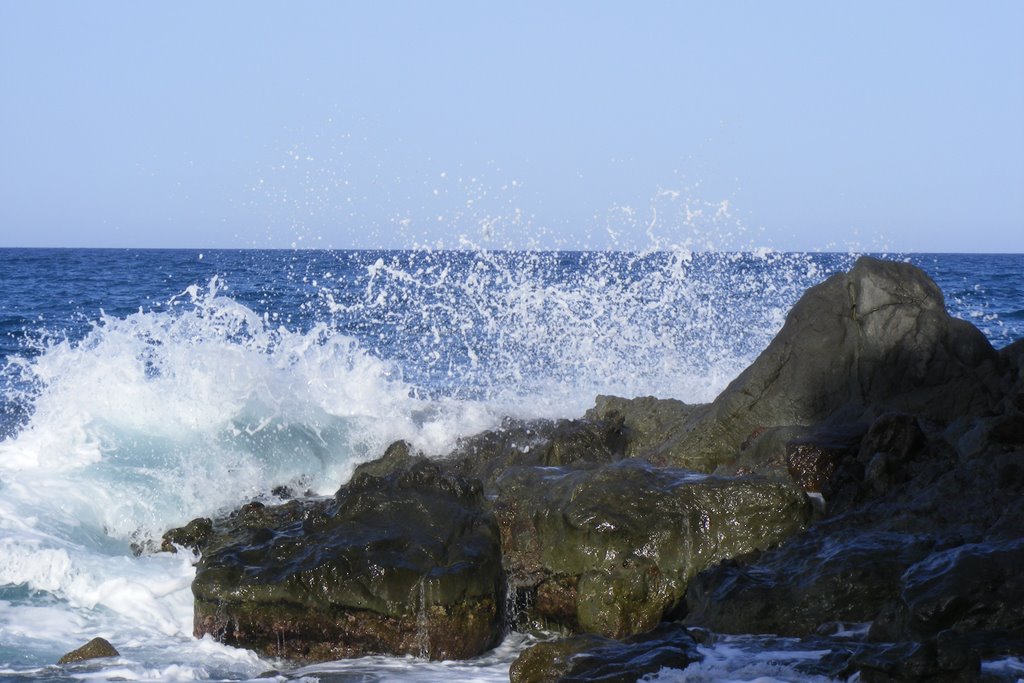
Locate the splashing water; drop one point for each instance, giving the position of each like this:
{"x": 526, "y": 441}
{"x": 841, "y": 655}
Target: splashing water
{"x": 289, "y": 368}
{"x": 555, "y": 328}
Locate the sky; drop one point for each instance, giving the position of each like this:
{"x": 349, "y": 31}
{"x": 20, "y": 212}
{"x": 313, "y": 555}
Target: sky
{"x": 878, "y": 126}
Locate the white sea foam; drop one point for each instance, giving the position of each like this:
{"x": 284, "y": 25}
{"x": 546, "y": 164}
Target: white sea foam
{"x": 158, "y": 417}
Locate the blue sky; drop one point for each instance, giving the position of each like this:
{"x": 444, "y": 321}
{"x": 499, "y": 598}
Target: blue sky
{"x": 872, "y": 125}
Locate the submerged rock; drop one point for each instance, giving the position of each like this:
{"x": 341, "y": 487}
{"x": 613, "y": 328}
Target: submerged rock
{"x": 407, "y": 563}
{"x": 587, "y": 658}
{"x": 610, "y": 550}
{"x": 94, "y": 649}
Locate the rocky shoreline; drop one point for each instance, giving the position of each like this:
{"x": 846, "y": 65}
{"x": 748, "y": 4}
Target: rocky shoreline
{"x": 867, "y": 468}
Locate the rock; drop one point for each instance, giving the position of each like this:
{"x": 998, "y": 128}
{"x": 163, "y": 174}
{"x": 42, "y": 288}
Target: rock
{"x": 873, "y": 340}
{"x": 814, "y": 458}
{"x": 902, "y": 423}
{"x": 893, "y": 442}
{"x": 543, "y": 443}
{"x": 918, "y": 662}
{"x": 406, "y": 563}
{"x": 193, "y": 535}
{"x": 647, "y": 422}
{"x": 763, "y": 452}
{"x": 94, "y": 649}
{"x": 820, "y": 577}
{"x": 973, "y": 588}
{"x": 610, "y": 550}
{"x": 398, "y": 456}
{"x": 586, "y": 658}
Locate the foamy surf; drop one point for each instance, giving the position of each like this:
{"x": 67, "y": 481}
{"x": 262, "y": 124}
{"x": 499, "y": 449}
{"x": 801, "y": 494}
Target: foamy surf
{"x": 157, "y": 417}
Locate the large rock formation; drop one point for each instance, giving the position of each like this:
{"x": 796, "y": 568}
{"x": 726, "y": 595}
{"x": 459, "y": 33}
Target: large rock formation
{"x": 902, "y": 424}
{"x": 872, "y": 340}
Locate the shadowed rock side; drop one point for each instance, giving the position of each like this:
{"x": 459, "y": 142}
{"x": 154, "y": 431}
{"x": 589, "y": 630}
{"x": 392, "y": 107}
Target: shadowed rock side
{"x": 872, "y": 340}
{"x": 921, "y": 539}
{"x": 408, "y": 563}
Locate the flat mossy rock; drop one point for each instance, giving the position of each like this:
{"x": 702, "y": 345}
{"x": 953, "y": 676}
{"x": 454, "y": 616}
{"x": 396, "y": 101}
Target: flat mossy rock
{"x": 94, "y": 649}
{"x": 589, "y": 658}
{"x": 407, "y": 563}
{"x": 610, "y": 550}
{"x": 876, "y": 339}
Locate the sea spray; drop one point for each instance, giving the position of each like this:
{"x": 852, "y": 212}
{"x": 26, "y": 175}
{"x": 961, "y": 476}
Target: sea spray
{"x": 291, "y": 367}
{"x": 550, "y": 330}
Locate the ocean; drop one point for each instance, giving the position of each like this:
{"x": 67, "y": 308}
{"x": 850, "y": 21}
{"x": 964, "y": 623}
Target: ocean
{"x": 142, "y": 388}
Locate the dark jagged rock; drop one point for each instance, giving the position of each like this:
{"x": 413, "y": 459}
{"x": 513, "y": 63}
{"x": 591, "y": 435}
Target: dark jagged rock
{"x": 941, "y": 660}
{"x": 903, "y": 424}
{"x": 610, "y": 550}
{"x": 876, "y": 339}
{"x": 193, "y": 535}
{"x": 890, "y": 447}
{"x": 973, "y": 588}
{"x": 815, "y": 457}
{"x": 94, "y": 649}
{"x": 398, "y": 456}
{"x": 851, "y": 566}
{"x": 408, "y": 563}
{"x": 589, "y": 658}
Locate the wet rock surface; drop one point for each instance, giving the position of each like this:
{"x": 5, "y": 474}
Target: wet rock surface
{"x": 868, "y": 467}
{"x": 94, "y": 649}
{"x": 922, "y": 524}
{"x": 406, "y": 563}
{"x": 589, "y": 657}
{"x": 538, "y": 443}
{"x": 610, "y": 550}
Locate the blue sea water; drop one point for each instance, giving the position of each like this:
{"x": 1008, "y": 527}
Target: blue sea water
{"x": 142, "y": 388}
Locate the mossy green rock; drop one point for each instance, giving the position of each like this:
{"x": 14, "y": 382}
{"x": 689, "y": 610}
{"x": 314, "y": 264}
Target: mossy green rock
{"x": 610, "y": 550}
{"x": 408, "y": 563}
{"x": 94, "y": 649}
{"x": 193, "y": 535}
